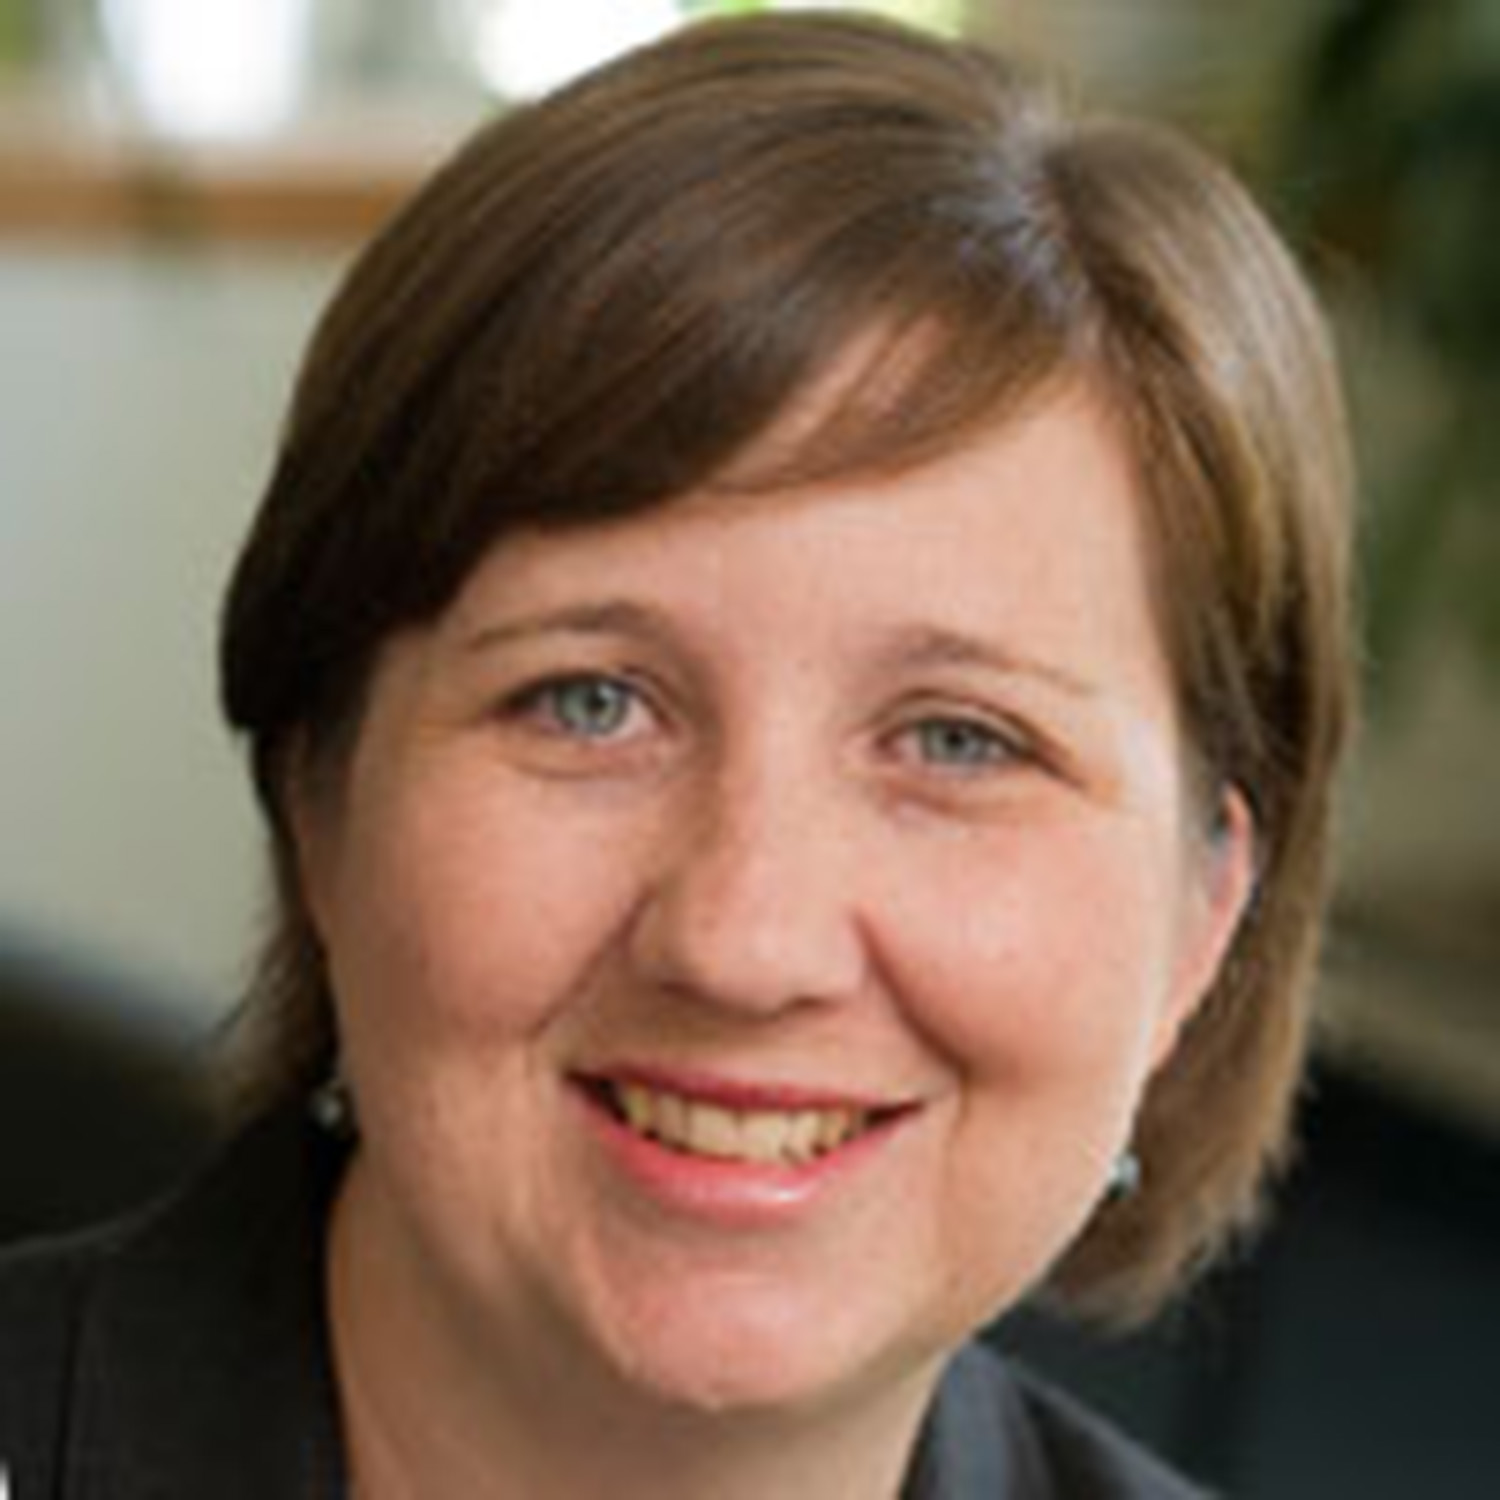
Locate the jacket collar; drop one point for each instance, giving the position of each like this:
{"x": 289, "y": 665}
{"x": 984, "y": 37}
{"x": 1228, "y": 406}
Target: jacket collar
{"x": 977, "y": 1443}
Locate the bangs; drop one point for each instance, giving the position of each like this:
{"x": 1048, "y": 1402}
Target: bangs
{"x": 691, "y": 351}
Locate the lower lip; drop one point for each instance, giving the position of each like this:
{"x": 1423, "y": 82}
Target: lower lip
{"x": 728, "y": 1193}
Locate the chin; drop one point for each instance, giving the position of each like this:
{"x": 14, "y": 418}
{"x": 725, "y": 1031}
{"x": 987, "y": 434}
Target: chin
{"x": 743, "y": 1381}
{"x": 747, "y": 1351}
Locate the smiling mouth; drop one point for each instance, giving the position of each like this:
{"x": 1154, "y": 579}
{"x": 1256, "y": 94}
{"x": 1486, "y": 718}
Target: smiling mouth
{"x": 761, "y": 1137}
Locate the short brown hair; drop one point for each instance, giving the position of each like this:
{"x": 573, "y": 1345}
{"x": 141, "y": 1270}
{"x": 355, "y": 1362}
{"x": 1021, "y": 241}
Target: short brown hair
{"x": 605, "y": 297}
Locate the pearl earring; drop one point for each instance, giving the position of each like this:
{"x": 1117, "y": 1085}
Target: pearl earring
{"x": 331, "y": 1106}
{"x": 1125, "y": 1176}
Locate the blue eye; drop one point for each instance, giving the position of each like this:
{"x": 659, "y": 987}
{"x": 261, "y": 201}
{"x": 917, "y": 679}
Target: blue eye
{"x": 961, "y": 744}
{"x": 587, "y": 707}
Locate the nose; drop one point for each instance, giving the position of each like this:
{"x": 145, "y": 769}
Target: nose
{"x": 754, "y": 907}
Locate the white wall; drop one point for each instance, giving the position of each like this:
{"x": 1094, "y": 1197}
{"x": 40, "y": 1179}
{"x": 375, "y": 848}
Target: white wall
{"x": 139, "y": 398}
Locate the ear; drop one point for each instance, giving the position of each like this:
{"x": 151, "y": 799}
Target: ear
{"x": 1219, "y": 883}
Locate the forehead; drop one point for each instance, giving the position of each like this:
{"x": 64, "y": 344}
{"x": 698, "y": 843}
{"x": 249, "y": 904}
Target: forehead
{"x": 1030, "y": 530}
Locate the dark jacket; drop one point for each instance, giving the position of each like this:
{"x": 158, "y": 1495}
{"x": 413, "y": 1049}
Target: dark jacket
{"x": 182, "y": 1356}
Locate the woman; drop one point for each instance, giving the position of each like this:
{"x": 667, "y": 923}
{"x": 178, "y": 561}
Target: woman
{"x": 793, "y": 656}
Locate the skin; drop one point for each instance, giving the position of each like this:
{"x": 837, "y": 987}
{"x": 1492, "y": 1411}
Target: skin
{"x": 875, "y": 788}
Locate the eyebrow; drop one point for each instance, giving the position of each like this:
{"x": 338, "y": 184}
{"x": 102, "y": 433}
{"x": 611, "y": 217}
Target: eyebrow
{"x": 606, "y": 617}
{"x": 908, "y": 648}
{"x": 934, "y": 646}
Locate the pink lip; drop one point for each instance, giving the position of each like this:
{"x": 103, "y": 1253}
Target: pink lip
{"x": 726, "y": 1194}
{"x": 729, "y": 1093}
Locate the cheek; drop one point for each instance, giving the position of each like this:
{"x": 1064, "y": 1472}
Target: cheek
{"x": 1040, "y": 962}
{"x": 474, "y": 916}
{"x": 466, "y": 932}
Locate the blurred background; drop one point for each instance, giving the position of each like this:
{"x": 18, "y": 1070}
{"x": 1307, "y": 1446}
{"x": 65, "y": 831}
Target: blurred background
{"x": 181, "y": 182}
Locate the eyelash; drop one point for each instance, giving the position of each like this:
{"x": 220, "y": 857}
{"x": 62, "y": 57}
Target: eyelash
{"x": 985, "y": 747}
{"x": 543, "y": 702}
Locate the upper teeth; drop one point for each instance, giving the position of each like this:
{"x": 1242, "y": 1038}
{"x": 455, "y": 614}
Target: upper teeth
{"x": 755, "y": 1135}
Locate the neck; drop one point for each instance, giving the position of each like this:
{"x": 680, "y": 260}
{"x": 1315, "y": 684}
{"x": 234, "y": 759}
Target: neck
{"x": 434, "y": 1406}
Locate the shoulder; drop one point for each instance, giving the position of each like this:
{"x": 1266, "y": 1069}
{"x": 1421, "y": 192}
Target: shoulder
{"x": 1043, "y": 1442}
{"x": 1091, "y": 1456}
{"x": 180, "y": 1351}
{"x": 44, "y": 1288}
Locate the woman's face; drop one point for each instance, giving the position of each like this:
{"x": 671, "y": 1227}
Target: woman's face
{"x": 754, "y": 923}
